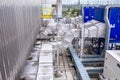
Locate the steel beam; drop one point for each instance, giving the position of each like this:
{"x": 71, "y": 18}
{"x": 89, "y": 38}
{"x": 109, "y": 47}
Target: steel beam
{"x": 83, "y": 75}
{"x": 92, "y": 60}
{"x": 94, "y": 70}
{"x": 92, "y": 56}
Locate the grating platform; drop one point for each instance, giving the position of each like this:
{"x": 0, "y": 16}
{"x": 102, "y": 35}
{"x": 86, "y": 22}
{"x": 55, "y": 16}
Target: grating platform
{"x": 41, "y": 64}
{"x": 45, "y": 69}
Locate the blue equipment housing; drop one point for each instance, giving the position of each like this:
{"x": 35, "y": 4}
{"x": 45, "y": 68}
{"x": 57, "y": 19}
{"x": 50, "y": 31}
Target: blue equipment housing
{"x": 88, "y": 13}
{"x": 97, "y": 13}
{"x": 114, "y": 18}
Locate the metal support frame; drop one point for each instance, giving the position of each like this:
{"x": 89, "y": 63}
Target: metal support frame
{"x": 92, "y": 60}
{"x": 94, "y": 70}
{"x": 81, "y": 71}
{"x": 82, "y": 36}
{"x": 92, "y": 56}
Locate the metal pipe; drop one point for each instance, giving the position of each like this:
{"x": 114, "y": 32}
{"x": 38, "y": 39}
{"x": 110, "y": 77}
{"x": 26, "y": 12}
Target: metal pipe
{"x": 108, "y": 28}
{"x": 59, "y": 8}
{"x": 82, "y": 36}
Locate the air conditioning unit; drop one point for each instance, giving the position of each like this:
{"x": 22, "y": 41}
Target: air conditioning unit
{"x": 112, "y": 65}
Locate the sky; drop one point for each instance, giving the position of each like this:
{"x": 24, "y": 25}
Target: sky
{"x": 70, "y": 1}
{"x": 63, "y": 1}
{"x": 83, "y": 1}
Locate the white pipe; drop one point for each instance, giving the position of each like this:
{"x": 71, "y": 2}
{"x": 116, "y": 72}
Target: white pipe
{"x": 82, "y": 36}
{"x": 82, "y": 41}
{"x": 59, "y": 8}
{"x": 108, "y": 27}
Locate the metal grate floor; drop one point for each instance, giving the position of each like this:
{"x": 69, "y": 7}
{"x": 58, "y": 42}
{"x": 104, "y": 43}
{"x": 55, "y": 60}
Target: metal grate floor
{"x": 41, "y": 65}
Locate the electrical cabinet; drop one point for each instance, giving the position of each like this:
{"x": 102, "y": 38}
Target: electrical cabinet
{"x": 112, "y": 65}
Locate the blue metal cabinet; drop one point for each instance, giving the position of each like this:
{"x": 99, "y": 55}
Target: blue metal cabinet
{"x": 114, "y": 18}
{"x": 99, "y": 14}
{"x": 96, "y": 13}
{"x": 88, "y": 13}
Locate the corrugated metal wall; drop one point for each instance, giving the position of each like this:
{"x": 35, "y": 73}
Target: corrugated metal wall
{"x": 19, "y": 24}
